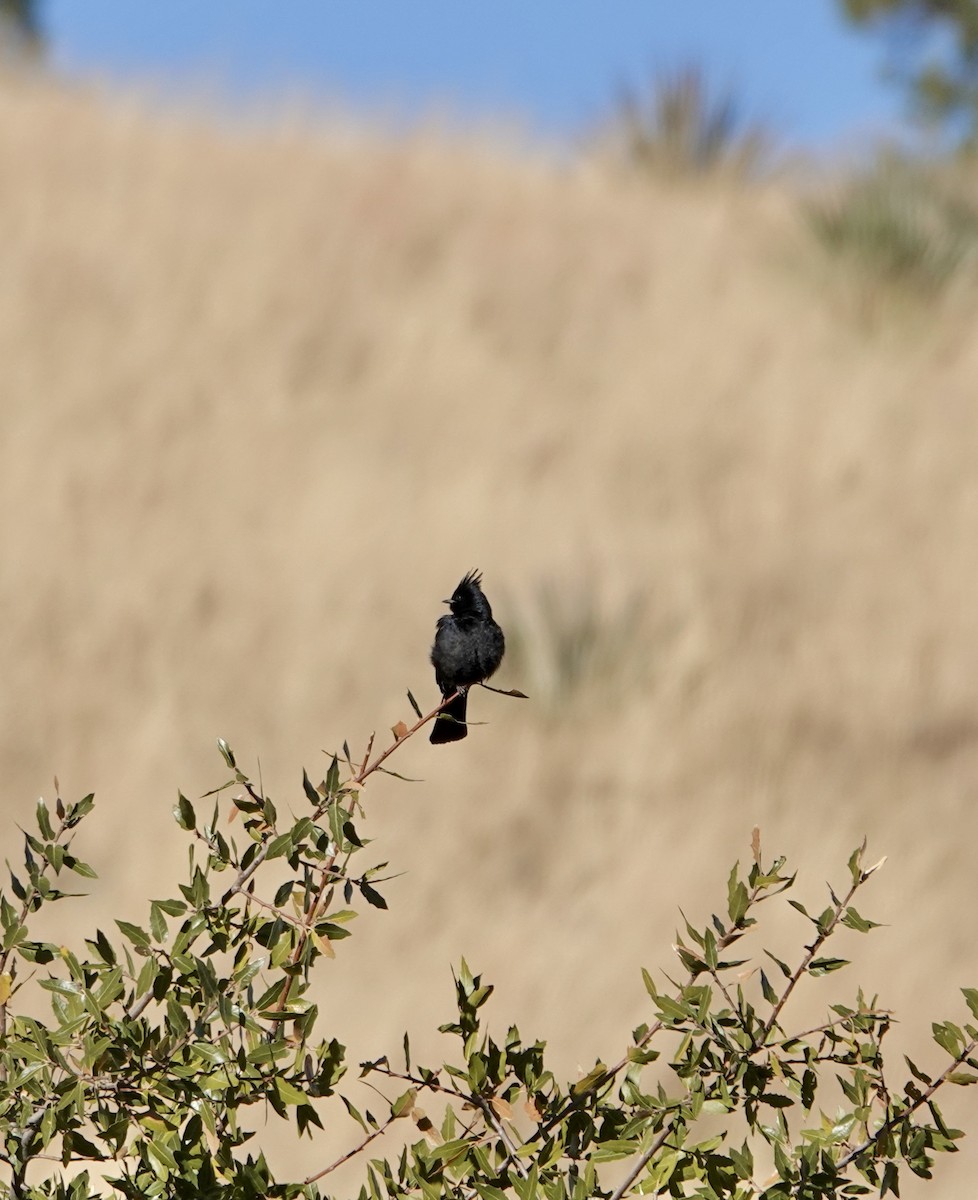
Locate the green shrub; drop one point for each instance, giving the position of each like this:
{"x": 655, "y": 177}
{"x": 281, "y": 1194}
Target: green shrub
{"x": 161, "y": 1038}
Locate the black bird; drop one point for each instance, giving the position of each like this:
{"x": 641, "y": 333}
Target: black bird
{"x": 468, "y": 648}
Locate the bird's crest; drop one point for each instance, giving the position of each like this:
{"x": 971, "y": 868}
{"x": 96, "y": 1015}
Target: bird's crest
{"x": 473, "y": 579}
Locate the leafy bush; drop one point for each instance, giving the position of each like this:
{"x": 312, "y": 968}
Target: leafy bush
{"x": 162, "y": 1037}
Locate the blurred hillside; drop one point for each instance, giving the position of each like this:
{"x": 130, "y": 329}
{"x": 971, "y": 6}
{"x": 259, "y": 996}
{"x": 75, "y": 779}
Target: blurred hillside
{"x": 268, "y": 393}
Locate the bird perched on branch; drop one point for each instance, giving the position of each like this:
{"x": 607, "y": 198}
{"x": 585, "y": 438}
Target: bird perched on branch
{"x": 468, "y": 648}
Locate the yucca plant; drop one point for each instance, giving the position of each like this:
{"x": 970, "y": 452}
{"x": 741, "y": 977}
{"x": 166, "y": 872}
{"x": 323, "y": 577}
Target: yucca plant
{"x": 679, "y": 124}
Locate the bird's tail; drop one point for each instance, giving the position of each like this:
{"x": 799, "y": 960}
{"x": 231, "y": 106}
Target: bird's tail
{"x": 450, "y": 724}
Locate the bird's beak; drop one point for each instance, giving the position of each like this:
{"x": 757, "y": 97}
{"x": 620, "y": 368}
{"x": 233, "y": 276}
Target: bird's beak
{"x": 448, "y": 602}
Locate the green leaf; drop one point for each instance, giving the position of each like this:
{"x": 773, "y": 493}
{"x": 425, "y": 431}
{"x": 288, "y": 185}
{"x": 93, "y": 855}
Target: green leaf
{"x": 809, "y": 1084}
{"x": 855, "y": 862}
{"x": 146, "y": 977}
{"x": 949, "y": 1037}
{"x": 267, "y": 1052}
{"x": 971, "y": 999}
{"x": 157, "y": 922}
{"x": 355, "y": 1114}
{"x": 139, "y": 937}
{"x": 743, "y": 1161}
{"x": 287, "y": 1092}
{"x": 825, "y": 920}
{"x": 48, "y": 1124}
{"x": 613, "y": 1149}
{"x": 184, "y": 814}
{"x": 76, "y": 812}
{"x": 209, "y": 1053}
{"x": 891, "y": 1180}
{"x": 853, "y": 920}
{"x": 404, "y": 1103}
{"x": 44, "y": 821}
{"x": 592, "y": 1079}
{"x": 449, "y": 1151}
{"x": 738, "y": 900}
{"x": 694, "y": 934}
{"x": 279, "y": 845}
{"x": 79, "y": 867}
{"x": 372, "y": 896}
{"x": 312, "y": 795}
{"x": 822, "y": 966}
{"x": 305, "y": 1117}
{"x": 670, "y": 1010}
{"x": 487, "y": 1192}
{"x": 334, "y": 933}
{"x": 710, "y": 950}
{"x": 163, "y": 1154}
{"x": 102, "y": 947}
{"x": 917, "y": 1073}
{"x": 414, "y": 705}
{"x": 226, "y": 752}
{"x": 178, "y": 1024}
{"x": 333, "y": 777}
{"x": 351, "y": 835}
{"x": 303, "y": 830}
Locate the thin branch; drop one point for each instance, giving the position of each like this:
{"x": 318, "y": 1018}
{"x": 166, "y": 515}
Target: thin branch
{"x": 366, "y": 771}
{"x": 310, "y": 918}
{"x": 714, "y": 972}
{"x": 431, "y": 1085}
{"x": 371, "y": 1137}
{"x": 871, "y": 1014}
{"x": 642, "y": 1163}
{"x": 485, "y": 1107}
{"x": 813, "y": 949}
{"x": 481, "y": 1103}
{"x": 251, "y": 898}
{"x": 366, "y": 756}
{"x": 912, "y": 1107}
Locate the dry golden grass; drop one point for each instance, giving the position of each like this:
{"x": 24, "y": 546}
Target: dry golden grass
{"x": 266, "y": 395}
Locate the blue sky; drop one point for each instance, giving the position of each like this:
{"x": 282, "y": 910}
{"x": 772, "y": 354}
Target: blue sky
{"x": 553, "y": 64}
